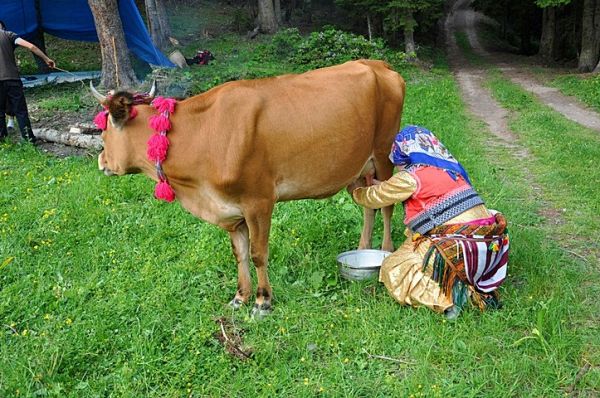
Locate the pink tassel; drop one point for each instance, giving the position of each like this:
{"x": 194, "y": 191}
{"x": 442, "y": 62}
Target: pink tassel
{"x": 101, "y": 120}
{"x": 164, "y": 192}
{"x": 133, "y": 113}
{"x": 160, "y": 123}
{"x": 163, "y": 104}
{"x": 157, "y": 147}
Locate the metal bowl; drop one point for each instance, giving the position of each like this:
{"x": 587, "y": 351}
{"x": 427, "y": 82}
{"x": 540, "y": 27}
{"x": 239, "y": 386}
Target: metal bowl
{"x": 356, "y": 265}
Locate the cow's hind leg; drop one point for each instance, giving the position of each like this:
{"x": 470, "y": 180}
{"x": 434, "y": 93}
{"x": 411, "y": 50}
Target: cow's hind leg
{"x": 366, "y": 176}
{"x": 259, "y": 225}
{"x": 240, "y": 244}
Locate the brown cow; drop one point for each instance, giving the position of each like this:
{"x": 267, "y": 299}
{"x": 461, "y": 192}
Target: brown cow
{"x": 242, "y": 146}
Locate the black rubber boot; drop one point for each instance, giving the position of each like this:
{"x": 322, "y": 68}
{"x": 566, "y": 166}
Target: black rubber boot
{"x": 26, "y": 132}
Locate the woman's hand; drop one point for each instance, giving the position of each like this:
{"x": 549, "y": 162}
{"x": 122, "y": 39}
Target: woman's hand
{"x": 365, "y": 181}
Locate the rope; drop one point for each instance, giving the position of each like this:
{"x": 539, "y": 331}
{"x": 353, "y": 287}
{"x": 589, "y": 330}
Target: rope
{"x": 70, "y": 73}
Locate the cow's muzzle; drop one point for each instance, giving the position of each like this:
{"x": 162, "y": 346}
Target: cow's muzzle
{"x": 104, "y": 169}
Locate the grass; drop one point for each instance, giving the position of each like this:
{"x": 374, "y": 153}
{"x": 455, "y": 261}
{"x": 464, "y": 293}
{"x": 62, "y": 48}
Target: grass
{"x": 585, "y": 88}
{"x": 69, "y": 55}
{"x": 110, "y": 290}
{"x": 105, "y": 291}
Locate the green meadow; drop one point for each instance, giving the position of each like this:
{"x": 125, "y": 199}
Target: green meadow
{"x": 107, "y": 292}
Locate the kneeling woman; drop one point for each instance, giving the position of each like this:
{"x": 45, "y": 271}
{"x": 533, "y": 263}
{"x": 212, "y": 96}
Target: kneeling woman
{"x": 456, "y": 248}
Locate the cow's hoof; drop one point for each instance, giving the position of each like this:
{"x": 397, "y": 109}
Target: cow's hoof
{"x": 261, "y": 311}
{"x": 236, "y": 303}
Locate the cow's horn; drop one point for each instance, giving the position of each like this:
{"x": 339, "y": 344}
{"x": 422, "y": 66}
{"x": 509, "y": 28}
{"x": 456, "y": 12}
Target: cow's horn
{"x": 96, "y": 94}
{"x": 152, "y": 92}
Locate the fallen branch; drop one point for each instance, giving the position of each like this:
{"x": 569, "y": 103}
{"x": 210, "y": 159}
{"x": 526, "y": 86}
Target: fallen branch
{"x": 72, "y": 139}
{"x": 584, "y": 369}
{"x": 575, "y": 254}
{"x": 233, "y": 345}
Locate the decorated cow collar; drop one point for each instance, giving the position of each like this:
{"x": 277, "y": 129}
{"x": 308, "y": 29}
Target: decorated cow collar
{"x": 158, "y": 144}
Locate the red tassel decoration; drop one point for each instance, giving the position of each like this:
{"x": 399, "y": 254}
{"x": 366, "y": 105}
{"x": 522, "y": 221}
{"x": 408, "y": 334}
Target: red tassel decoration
{"x": 160, "y": 123}
{"x": 158, "y": 144}
{"x": 163, "y": 104}
{"x": 157, "y": 147}
{"x": 164, "y": 192}
{"x": 101, "y": 120}
{"x": 133, "y": 113}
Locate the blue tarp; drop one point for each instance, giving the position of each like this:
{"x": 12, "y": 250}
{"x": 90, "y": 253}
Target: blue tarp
{"x": 73, "y": 20}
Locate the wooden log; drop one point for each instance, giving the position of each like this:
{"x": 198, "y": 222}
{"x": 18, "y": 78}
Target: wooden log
{"x": 85, "y": 128}
{"x": 72, "y": 139}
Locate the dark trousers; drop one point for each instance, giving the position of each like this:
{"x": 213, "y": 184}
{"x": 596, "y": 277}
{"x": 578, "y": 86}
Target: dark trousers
{"x": 12, "y": 99}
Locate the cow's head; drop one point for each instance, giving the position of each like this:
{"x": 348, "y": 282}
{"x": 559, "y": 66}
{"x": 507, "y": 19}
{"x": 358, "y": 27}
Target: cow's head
{"x": 120, "y": 135}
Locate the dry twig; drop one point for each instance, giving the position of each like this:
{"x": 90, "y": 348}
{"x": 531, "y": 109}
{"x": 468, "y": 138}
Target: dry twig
{"x": 584, "y": 369}
{"x": 390, "y": 359}
{"x": 232, "y": 344}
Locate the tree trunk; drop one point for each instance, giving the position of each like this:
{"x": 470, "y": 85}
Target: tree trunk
{"x": 597, "y": 68}
{"x": 525, "y": 36}
{"x": 409, "y": 40}
{"x": 163, "y": 18}
{"x": 266, "y": 16}
{"x": 307, "y": 11}
{"x": 587, "y": 55}
{"x": 289, "y": 7}
{"x": 158, "y": 23}
{"x": 117, "y": 71}
{"x": 39, "y": 41}
{"x": 277, "y": 8}
{"x": 409, "y": 43}
{"x": 547, "y": 41}
{"x": 597, "y": 28}
{"x": 369, "y": 28}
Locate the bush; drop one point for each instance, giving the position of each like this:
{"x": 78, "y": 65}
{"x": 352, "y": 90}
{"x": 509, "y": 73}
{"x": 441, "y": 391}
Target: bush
{"x": 283, "y": 46}
{"x": 325, "y": 48}
{"x": 332, "y": 46}
{"x": 285, "y": 43}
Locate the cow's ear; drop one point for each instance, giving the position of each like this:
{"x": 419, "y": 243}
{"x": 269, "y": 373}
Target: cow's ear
{"x": 120, "y": 108}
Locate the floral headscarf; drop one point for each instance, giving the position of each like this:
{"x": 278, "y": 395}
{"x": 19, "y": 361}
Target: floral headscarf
{"x": 414, "y": 146}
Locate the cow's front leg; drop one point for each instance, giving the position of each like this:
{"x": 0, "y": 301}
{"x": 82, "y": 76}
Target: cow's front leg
{"x": 259, "y": 226}
{"x": 368, "y": 214}
{"x": 387, "y": 243}
{"x": 384, "y": 170}
{"x": 367, "y": 231}
{"x": 240, "y": 245}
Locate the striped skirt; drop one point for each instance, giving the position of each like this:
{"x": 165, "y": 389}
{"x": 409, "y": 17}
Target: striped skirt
{"x": 448, "y": 265}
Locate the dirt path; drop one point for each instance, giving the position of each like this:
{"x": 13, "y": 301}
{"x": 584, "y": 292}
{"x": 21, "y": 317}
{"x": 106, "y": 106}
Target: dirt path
{"x": 484, "y": 107}
{"x": 470, "y": 80}
{"x": 465, "y": 19}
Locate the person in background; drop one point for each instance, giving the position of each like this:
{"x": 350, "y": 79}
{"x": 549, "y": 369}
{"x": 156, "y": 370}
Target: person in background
{"x": 12, "y": 96}
{"x": 456, "y": 249}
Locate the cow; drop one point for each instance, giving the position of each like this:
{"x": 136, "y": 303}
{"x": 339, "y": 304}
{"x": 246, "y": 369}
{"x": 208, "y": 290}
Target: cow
{"x": 240, "y": 147}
